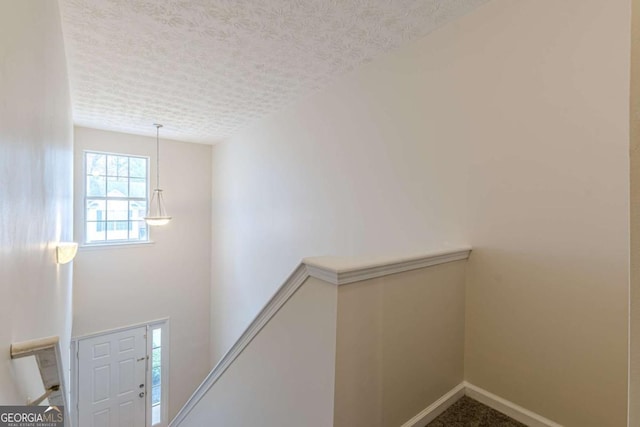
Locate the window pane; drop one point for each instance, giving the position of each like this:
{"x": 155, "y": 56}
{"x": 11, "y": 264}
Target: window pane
{"x": 137, "y": 210}
{"x": 117, "y": 187}
{"x": 155, "y": 414}
{"x": 137, "y": 167}
{"x": 157, "y": 338}
{"x": 96, "y": 231}
{"x": 117, "y": 210}
{"x": 96, "y": 186}
{"x": 96, "y": 164}
{"x": 155, "y": 395}
{"x": 138, "y": 187}
{"x": 123, "y": 166}
{"x": 137, "y": 230}
{"x": 95, "y": 210}
{"x": 141, "y": 230}
{"x": 156, "y": 376}
{"x": 117, "y": 230}
{"x": 112, "y": 165}
{"x": 155, "y": 357}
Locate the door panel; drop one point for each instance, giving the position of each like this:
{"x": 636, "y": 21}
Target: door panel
{"x": 101, "y": 419}
{"x": 111, "y": 379}
{"x": 126, "y": 414}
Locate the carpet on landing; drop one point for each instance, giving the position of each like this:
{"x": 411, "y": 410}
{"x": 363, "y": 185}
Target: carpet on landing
{"x": 467, "y": 412}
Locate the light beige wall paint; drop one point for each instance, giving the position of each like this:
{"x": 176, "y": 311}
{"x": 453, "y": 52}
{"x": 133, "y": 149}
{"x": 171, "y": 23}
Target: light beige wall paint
{"x": 634, "y": 335}
{"x": 36, "y": 144}
{"x": 285, "y": 377}
{"x": 120, "y": 286}
{"x": 548, "y": 180}
{"x": 506, "y": 130}
{"x": 400, "y": 345}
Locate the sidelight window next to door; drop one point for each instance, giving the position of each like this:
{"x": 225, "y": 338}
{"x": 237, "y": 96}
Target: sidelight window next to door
{"x": 156, "y": 376}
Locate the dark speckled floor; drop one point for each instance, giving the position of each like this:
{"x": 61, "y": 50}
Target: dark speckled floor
{"x": 467, "y": 412}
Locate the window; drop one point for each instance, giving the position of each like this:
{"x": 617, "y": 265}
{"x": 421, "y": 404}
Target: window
{"x": 116, "y": 197}
{"x": 158, "y": 373}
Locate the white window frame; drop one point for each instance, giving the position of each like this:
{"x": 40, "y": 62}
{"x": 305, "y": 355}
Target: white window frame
{"x": 86, "y": 199}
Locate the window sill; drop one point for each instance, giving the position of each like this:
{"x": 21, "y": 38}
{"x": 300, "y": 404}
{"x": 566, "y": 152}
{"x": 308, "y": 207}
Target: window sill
{"x": 114, "y": 245}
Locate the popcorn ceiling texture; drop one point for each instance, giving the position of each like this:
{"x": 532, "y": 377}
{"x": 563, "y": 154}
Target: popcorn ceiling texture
{"x": 206, "y": 68}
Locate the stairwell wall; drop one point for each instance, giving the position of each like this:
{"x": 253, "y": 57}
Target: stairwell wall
{"x": 36, "y": 155}
{"x": 506, "y": 130}
{"x": 634, "y": 223}
{"x": 285, "y": 375}
{"x": 547, "y": 287}
{"x": 400, "y": 344}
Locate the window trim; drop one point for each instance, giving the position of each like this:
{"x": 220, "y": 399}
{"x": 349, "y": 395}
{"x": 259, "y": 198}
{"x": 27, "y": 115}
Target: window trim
{"x": 85, "y": 199}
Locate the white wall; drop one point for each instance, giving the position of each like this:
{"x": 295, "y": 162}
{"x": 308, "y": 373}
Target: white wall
{"x": 35, "y": 184}
{"x": 285, "y": 376}
{"x": 506, "y": 130}
{"x": 124, "y": 285}
{"x": 359, "y": 169}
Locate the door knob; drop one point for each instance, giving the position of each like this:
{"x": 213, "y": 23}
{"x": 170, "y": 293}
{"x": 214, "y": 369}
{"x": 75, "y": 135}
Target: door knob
{"x": 141, "y": 394}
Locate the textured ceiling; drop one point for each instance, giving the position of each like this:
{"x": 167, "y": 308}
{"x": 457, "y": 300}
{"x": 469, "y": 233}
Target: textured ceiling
{"x": 206, "y": 68}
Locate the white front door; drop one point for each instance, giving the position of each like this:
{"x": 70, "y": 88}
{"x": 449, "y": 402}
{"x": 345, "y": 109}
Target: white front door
{"x": 111, "y": 379}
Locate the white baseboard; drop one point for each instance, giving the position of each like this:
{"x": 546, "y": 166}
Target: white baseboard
{"x": 508, "y": 408}
{"x": 516, "y": 412}
{"x": 436, "y": 408}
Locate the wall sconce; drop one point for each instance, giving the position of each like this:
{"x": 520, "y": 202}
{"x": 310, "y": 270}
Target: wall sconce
{"x": 65, "y": 252}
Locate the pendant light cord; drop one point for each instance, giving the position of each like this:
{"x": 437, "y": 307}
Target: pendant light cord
{"x": 156, "y": 213}
{"x": 158, "y": 126}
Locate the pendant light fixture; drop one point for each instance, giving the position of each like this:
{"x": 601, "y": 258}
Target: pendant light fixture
{"x": 157, "y": 213}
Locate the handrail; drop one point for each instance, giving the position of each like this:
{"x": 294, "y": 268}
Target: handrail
{"x": 345, "y": 270}
{"x": 48, "y": 358}
{"x": 335, "y": 270}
